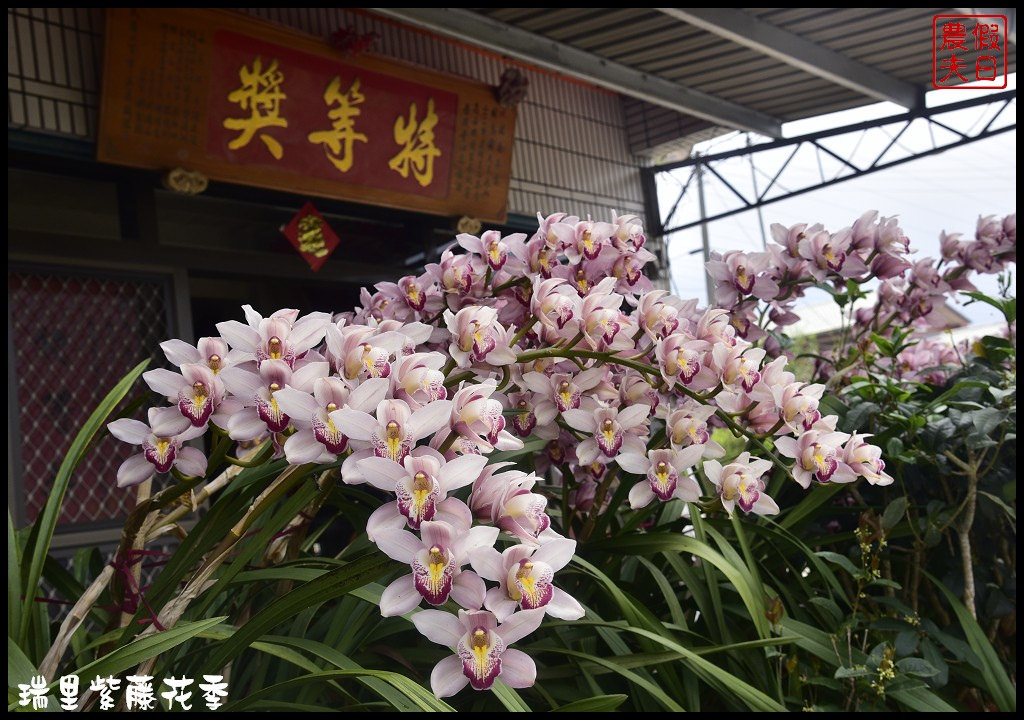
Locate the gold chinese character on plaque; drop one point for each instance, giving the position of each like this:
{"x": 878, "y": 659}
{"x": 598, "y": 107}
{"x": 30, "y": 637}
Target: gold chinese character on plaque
{"x": 418, "y": 148}
{"x": 341, "y": 138}
{"x": 261, "y": 95}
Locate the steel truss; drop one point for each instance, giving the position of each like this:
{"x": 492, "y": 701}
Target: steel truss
{"x": 735, "y": 177}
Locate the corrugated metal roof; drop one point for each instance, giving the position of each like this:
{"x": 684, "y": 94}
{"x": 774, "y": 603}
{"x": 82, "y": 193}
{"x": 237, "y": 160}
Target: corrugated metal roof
{"x": 894, "y": 42}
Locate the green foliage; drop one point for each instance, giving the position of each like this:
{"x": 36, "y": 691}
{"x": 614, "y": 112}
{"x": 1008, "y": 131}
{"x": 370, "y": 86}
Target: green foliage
{"x": 850, "y": 599}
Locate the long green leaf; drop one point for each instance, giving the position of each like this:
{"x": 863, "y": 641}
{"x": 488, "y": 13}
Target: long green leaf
{"x": 598, "y": 703}
{"x": 19, "y": 668}
{"x": 14, "y": 591}
{"x": 807, "y": 507}
{"x": 920, "y": 699}
{"x": 42, "y": 532}
{"x": 660, "y": 542}
{"x": 725, "y": 681}
{"x": 424, "y": 700}
{"x": 328, "y": 587}
{"x": 343, "y": 662}
{"x": 996, "y": 679}
{"x": 509, "y": 697}
{"x": 146, "y": 647}
{"x": 656, "y": 692}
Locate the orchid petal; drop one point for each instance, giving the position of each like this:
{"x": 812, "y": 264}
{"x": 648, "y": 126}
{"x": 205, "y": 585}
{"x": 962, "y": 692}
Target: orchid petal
{"x": 499, "y": 603}
{"x": 246, "y": 425}
{"x": 633, "y": 463}
{"x": 518, "y": 669}
{"x": 487, "y": 563}
{"x": 384, "y": 518}
{"x": 556, "y": 553}
{"x": 191, "y": 461}
{"x": 520, "y": 625}
{"x": 456, "y": 513}
{"x": 688, "y": 457}
{"x": 239, "y": 336}
{"x": 580, "y": 420}
{"x": 468, "y": 590}
{"x": 241, "y": 383}
{"x": 308, "y": 331}
{"x": 350, "y": 474}
{"x": 447, "y": 677}
{"x": 399, "y": 597}
{"x": 788, "y": 446}
{"x": 429, "y": 419}
{"x": 304, "y": 377}
{"x": 179, "y": 352}
{"x": 587, "y": 451}
{"x": 439, "y": 627}
{"x": 369, "y": 394}
{"x": 478, "y": 537}
{"x": 296, "y": 404}
{"x": 168, "y": 422}
{"x": 353, "y": 423}
{"x": 129, "y": 431}
{"x": 164, "y": 382}
{"x": 436, "y": 533}
{"x": 564, "y": 606}
{"x": 461, "y": 471}
{"x": 640, "y": 495}
{"x": 381, "y": 472}
{"x": 633, "y": 415}
{"x": 400, "y": 545}
{"x": 134, "y": 470}
{"x": 302, "y": 447}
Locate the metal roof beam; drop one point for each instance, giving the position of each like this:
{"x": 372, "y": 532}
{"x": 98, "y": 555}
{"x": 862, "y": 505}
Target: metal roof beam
{"x": 547, "y": 53}
{"x": 751, "y": 32}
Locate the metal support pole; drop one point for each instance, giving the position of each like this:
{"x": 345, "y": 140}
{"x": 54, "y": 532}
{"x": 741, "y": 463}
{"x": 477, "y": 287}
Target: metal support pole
{"x": 760, "y": 213}
{"x": 705, "y": 240}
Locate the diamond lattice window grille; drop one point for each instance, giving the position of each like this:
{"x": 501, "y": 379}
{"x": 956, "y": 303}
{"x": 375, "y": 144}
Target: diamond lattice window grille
{"x": 73, "y": 337}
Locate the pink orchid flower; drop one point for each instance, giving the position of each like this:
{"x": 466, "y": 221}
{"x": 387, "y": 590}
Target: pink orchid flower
{"x": 482, "y": 652}
{"x": 665, "y": 475}
{"x": 738, "y": 364}
{"x": 197, "y": 390}
{"x": 866, "y": 460}
{"x": 317, "y": 438}
{"x": 505, "y": 499}
{"x": 279, "y": 337}
{"x": 557, "y": 306}
{"x": 741, "y": 482}
{"x": 683, "y": 359}
{"x": 524, "y": 575}
{"x": 562, "y": 391}
{"x": 610, "y": 432}
{"x": 740, "y": 274}
{"x": 162, "y": 446}
{"x": 256, "y": 390}
{"x": 478, "y": 337}
{"x": 210, "y": 351}
{"x": 436, "y": 563}
{"x": 688, "y": 426}
{"x": 818, "y": 457}
{"x": 422, "y": 482}
{"x": 418, "y": 379}
{"x": 394, "y": 431}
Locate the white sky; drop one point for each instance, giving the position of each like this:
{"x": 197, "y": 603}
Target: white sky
{"x": 947, "y": 191}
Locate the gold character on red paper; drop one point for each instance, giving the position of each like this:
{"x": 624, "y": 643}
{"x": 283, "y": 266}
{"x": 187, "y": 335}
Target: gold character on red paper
{"x": 341, "y": 138}
{"x": 418, "y": 149}
{"x": 261, "y": 95}
{"x": 311, "y": 236}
